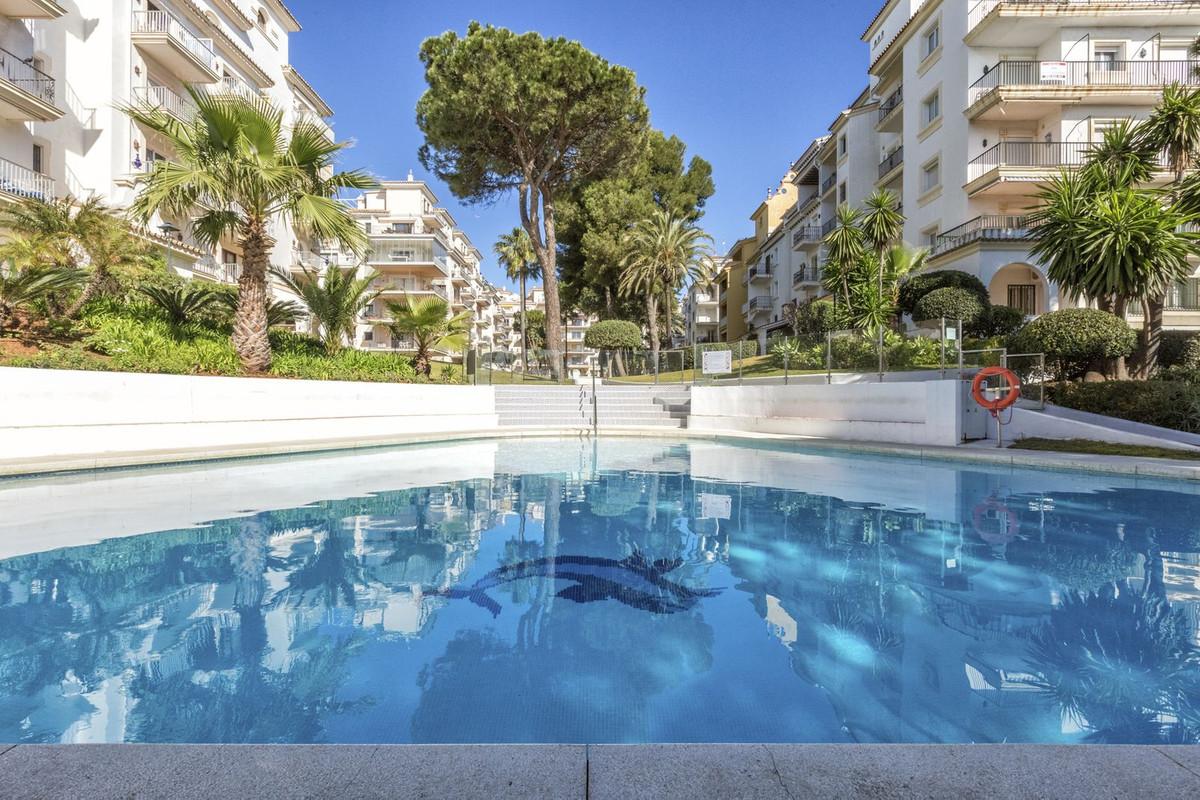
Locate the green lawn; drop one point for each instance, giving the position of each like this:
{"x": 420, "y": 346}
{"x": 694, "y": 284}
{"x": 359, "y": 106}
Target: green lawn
{"x": 1091, "y": 447}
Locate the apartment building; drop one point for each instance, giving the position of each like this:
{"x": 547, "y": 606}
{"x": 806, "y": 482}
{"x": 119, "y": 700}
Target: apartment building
{"x": 67, "y": 69}
{"x": 970, "y": 107}
{"x": 416, "y": 249}
{"x": 731, "y": 291}
{"x": 702, "y": 308}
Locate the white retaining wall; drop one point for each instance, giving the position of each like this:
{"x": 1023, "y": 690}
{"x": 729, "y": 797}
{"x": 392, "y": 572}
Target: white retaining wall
{"x": 924, "y": 413}
{"x": 1065, "y": 423}
{"x": 68, "y": 415}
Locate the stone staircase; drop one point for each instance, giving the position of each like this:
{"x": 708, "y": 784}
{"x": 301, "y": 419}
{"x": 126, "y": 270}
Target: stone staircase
{"x": 571, "y": 406}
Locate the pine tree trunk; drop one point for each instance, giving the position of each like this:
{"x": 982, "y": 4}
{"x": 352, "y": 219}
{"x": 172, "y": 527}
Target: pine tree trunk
{"x": 250, "y": 319}
{"x": 524, "y": 328}
{"x": 554, "y": 326}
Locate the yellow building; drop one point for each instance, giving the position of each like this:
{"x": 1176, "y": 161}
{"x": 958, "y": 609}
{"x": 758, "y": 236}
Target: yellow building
{"x": 732, "y": 286}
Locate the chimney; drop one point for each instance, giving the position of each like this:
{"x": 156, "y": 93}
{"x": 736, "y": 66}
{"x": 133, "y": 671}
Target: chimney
{"x": 410, "y": 176}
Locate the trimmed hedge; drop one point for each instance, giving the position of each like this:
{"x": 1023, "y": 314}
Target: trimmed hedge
{"x": 916, "y": 287}
{"x": 952, "y": 303}
{"x": 820, "y": 317}
{"x": 999, "y": 321}
{"x": 613, "y": 334}
{"x": 1167, "y": 404}
{"x": 1075, "y": 340}
{"x": 1179, "y": 349}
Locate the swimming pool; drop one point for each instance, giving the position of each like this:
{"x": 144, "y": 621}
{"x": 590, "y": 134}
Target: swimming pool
{"x": 614, "y": 591}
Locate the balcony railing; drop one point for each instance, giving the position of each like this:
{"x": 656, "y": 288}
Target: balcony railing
{"x": 891, "y": 162}
{"x": 809, "y": 233}
{"x": 230, "y": 85}
{"x": 829, "y": 183}
{"x": 1032, "y": 155}
{"x": 986, "y": 228}
{"x": 26, "y": 77}
{"x": 1182, "y": 296}
{"x": 1084, "y": 73}
{"x": 828, "y": 227}
{"x": 762, "y": 302}
{"x": 162, "y": 22}
{"x": 24, "y": 182}
{"x": 226, "y": 272}
{"x": 166, "y": 99}
{"x": 806, "y": 275}
{"x": 892, "y": 102}
{"x": 757, "y": 271}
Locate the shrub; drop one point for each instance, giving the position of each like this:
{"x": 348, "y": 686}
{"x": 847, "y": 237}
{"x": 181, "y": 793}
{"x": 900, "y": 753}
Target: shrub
{"x": 919, "y": 351}
{"x": 613, "y": 334}
{"x": 918, "y": 286}
{"x": 796, "y": 354}
{"x": 1075, "y": 340}
{"x": 999, "y": 321}
{"x": 820, "y": 317}
{"x": 1168, "y": 404}
{"x": 950, "y": 302}
{"x": 346, "y": 365}
{"x": 1179, "y": 349}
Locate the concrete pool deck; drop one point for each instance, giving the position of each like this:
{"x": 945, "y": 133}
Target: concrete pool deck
{"x": 597, "y": 772}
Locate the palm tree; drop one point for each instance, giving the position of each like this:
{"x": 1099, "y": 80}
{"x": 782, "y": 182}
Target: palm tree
{"x": 19, "y": 288}
{"x": 845, "y": 246}
{"x": 182, "y": 302}
{"x": 663, "y": 252}
{"x": 1122, "y": 158}
{"x": 520, "y": 263}
{"x": 881, "y": 222}
{"x": 1173, "y": 128}
{"x": 235, "y": 170}
{"x": 428, "y": 322}
{"x": 335, "y": 300}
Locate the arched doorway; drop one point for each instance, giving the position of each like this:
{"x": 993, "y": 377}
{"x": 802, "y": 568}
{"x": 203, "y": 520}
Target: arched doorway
{"x": 1019, "y": 286}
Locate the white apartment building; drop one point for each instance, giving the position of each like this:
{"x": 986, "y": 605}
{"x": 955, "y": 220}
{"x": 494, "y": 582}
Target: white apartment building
{"x": 970, "y": 105}
{"x": 67, "y": 68}
{"x": 416, "y": 249}
{"x": 702, "y": 308}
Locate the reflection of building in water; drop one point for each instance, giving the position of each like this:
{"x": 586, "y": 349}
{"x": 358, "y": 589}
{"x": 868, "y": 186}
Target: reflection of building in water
{"x": 780, "y": 623}
{"x": 1181, "y": 578}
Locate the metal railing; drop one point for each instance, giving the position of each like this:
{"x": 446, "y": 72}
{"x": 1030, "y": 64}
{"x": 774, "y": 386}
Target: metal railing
{"x": 806, "y": 275}
{"x": 1084, "y": 73}
{"x": 1182, "y": 296}
{"x": 763, "y": 302}
{"x": 24, "y": 182}
{"x": 1051, "y": 155}
{"x": 231, "y": 85}
{"x": 809, "y": 233}
{"x": 758, "y": 271}
{"x": 25, "y": 76}
{"x": 166, "y": 99}
{"x": 829, "y": 183}
{"x": 225, "y": 272}
{"x": 828, "y": 227}
{"x": 893, "y": 101}
{"x": 165, "y": 23}
{"x": 985, "y": 228}
{"x": 894, "y": 159}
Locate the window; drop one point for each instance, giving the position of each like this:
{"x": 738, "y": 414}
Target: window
{"x": 1023, "y": 297}
{"x": 931, "y": 40}
{"x": 228, "y": 257}
{"x": 402, "y": 255}
{"x": 930, "y": 235}
{"x": 369, "y": 336}
{"x": 931, "y": 109}
{"x": 842, "y": 193}
{"x": 931, "y": 175}
{"x": 38, "y": 159}
{"x": 841, "y": 147}
{"x": 1106, "y": 57}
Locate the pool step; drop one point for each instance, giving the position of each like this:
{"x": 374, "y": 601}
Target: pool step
{"x": 571, "y": 406}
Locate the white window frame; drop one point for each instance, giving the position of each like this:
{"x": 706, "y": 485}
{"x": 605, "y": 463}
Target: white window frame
{"x": 932, "y": 166}
{"x": 931, "y": 102}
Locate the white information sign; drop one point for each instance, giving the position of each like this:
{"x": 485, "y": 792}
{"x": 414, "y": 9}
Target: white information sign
{"x": 718, "y": 362}
{"x": 715, "y": 506}
{"x": 1053, "y": 72}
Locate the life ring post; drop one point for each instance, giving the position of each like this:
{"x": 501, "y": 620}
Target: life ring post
{"x": 995, "y": 405}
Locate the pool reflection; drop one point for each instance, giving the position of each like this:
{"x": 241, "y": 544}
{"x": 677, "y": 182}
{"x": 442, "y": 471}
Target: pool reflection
{"x": 639, "y": 603}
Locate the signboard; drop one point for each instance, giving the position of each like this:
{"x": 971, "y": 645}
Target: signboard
{"x": 715, "y": 506}
{"x": 718, "y": 362}
{"x": 1053, "y": 72}
{"x": 951, "y": 334}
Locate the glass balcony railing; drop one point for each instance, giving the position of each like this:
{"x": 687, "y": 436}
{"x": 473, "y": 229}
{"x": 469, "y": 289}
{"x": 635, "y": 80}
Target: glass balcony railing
{"x": 26, "y": 77}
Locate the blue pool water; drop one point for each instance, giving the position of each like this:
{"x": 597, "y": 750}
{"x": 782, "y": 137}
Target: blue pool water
{"x": 625, "y": 591}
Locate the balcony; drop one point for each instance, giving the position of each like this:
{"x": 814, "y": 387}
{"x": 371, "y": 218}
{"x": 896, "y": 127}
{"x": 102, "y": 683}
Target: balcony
{"x": 806, "y": 275}
{"x": 890, "y": 115}
{"x": 1021, "y": 90}
{"x": 1182, "y": 296}
{"x": 986, "y": 228}
{"x": 1028, "y": 23}
{"x": 163, "y": 98}
{"x": 221, "y": 272}
{"x": 828, "y": 227}
{"x": 758, "y": 272}
{"x": 891, "y": 165}
{"x": 762, "y": 304}
{"x": 26, "y": 93}
{"x": 808, "y": 235}
{"x": 18, "y": 181}
{"x": 829, "y": 183}
{"x": 163, "y": 38}
{"x": 31, "y": 9}
{"x": 236, "y": 86}
{"x": 1010, "y": 167}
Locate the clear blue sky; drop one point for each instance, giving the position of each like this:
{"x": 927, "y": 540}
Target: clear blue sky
{"x": 745, "y": 84}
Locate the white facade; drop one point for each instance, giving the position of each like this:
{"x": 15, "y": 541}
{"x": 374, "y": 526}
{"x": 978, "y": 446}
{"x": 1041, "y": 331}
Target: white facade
{"x": 970, "y": 105}
{"x": 702, "y": 308}
{"x": 69, "y": 68}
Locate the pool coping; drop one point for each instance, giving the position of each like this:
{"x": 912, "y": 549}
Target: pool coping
{"x": 1140, "y": 467}
{"x": 599, "y": 772}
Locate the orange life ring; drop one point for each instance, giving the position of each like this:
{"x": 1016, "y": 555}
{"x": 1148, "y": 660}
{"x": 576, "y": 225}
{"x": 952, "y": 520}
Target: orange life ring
{"x": 992, "y": 510}
{"x": 1000, "y": 403}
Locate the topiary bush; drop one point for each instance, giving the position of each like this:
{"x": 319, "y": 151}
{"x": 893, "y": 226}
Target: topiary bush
{"x": 952, "y": 303}
{"x": 918, "y": 286}
{"x": 1002, "y": 321}
{"x": 1168, "y": 404}
{"x": 613, "y": 334}
{"x": 1075, "y": 341}
{"x": 1179, "y": 349}
{"x": 820, "y": 317}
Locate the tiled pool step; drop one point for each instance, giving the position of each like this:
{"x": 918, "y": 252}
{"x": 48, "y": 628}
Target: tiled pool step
{"x": 571, "y": 406}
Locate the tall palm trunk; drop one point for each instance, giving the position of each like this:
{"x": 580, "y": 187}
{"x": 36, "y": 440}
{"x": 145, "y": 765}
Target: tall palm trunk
{"x": 668, "y": 336}
{"x": 524, "y": 327}
{"x": 652, "y": 316}
{"x": 90, "y": 291}
{"x": 250, "y": 319}
{"x": 1152, "y": 332}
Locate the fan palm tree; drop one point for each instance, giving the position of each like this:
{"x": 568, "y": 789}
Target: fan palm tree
{"x": 663, "y": 252}
{"x": 428, "y": 322}
{"x": 520, "y": 263}
{"x": 235, "y": 170}
{"x": 335, "y": 299}
{"x": 19, "y": 288}
{"x": 182, "y": 302}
